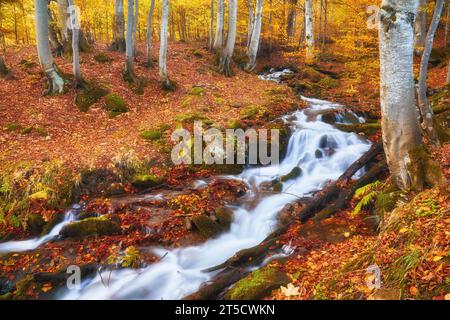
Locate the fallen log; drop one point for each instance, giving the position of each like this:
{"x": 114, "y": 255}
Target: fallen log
{"x": 237, "y": 266}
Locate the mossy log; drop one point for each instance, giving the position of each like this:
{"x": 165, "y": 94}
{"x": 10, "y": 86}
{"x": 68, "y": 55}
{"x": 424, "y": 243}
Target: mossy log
{"x": 368, "y": 129}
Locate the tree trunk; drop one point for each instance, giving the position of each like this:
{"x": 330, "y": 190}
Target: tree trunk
{"x": 211, "y": 28}
{"x": 227, "y": 52}
{"x": 218, "y": 42}
{"x": 270, "y": 28}
{"x": 254, "y": 43}
{"x": 446, "y": 25}
{"x": 149, "y": 35}
{"x": 75, "y": 27}
{"x": 130, "y": 75}
{"x": 401, "y": 133}
{"x": 4, "y": 71}
{"x": 119, "y": 27}
{"x": 292, "y": 18}
{"x": 63, "y": 14}
{"x": 164, "y": 76}
{"x": 424, "y": 105}
{"x": 53, "y": 35}
{"x": 251, "y": 21}
{"x": 420, "y": 27}
{"x": 135, "y": 25}
{"x": 309, "y": 31}
{"x": 55, "y": 81}
{"x": 448, "y": 73}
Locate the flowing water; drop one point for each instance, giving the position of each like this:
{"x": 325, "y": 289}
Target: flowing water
{"x": 321, "y": 151}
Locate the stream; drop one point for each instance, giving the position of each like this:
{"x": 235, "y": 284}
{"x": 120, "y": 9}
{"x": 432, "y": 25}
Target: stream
{"x": 321, "y": 151}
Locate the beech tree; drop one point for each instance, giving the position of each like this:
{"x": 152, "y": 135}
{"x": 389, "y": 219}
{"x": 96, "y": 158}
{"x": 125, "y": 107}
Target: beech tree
{"x": 407, "y": 159}
{"x": 292, "y": 18}
{"x": 420, "y": 27}
{"x": 309, "y": 31}
{"x": 254, "y": 43}
{"x": 167, "y": 84}
{"x": 227, "y": 52}
{"x": 55, "y": 81}
{"x": 211, "y": 28}
{"x": 149, "y": 34}
{"x": 129, "y": 50}
{"x": 218, "y": 39}
{"x": 119, "y": 27}
{"x": 424, "y": 106}
{"x": 75, "y": 28}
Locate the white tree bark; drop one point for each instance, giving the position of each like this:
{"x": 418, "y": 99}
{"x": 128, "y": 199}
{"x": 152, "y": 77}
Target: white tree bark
{"x": 119, "y": 27}
{"x": 56, "y": 83}
{"x": 254, "y": 43}
{"x": 420, "y": 27}
{"x": 149, "y": 34}
{"x": 129, "y": 51}
{"x": 424, "y": 105}
{"x": 164, "y": 76}
{"x": 218, "y": 41}
{"x": 309, "y": 31}
{"x": 401, "y": 133}
{"x": 227, "y": 52}
{"x": 251, "y": 21}
{"x": 75, "y": 27}
{"x": 135, "y": 24}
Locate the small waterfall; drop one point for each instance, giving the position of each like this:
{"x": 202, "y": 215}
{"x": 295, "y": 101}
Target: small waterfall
{"x": 31, "y": 244}
{"x": 321, "y": 151}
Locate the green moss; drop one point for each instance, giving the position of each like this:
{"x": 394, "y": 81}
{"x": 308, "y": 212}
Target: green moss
{"x": 368, "y": 129}
{"x": 257, "y": 285}
{"x": 328, "y": 83}
{"x": 197, "y": 53}
{"x": 254, "y": 112}
{"x": 191, "y": 117}
{"x": 197, "y": 91}
{"x": 27, "y": 130}
{"x": 115, "y": 105}
{"x": 235, "y": 124}
{"x": 424, "y": 170}
{"x": 275, "y": 91}
{"x": 144, "y": 181}
{"x": 100, "y": 226}
{"x": 27, "y": 64}
{"x": 13, "y": 127}
{"x": 89, "y": 95}
{"x": 294, "y": 174}
{"x": 311, "y": 74}
{"x": 151, "y": 134}
{"x": 102, "y": 58}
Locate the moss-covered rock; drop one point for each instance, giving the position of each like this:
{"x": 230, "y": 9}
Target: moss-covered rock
{"x": 253, "y": 112}
{"x": 294, "y": 174}
{"x": 367, "y": 129}
{"x": 191, "y": 117}
{"x": 35, "y": 223}
{"x": 89, "y": 95}
{"x": 4, "y": 71}
{"x": 197, "y": 91}
{"x": 13, "y": 127}
{"x": 102, "y": 58}
{"x": 425, "y": 170}
{"x": 151, "y": 134}
{"x": 115, "y": 105}
{"x": 145, "y": 181}
{"x": 235, "y": 124}
{"x": 101, "y": 226}
{"x": 224, "y": 217}
{"x": 207, "y": 227}
{"x": 311, "y": 74}
{"x": 257, "y": 285}
{"x": 328, "y": 83}
{"x": 278, "y": 187}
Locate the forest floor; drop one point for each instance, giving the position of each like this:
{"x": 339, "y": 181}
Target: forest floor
{"x": 47, "y": 146}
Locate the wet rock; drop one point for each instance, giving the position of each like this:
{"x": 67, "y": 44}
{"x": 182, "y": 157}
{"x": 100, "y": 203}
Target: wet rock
{"x": 101, "y": 226}
{"x": 318, "y": 154}
{"x": 86, "y": 214}
{"x": 206, "y": 226}
{"x": 368, "y": 129}
{"x": 294, "y": 174}
{"x": 257, "y": 285}
{"x": 278, "y": 187}
{"x": 6, "y": 286}
{"x": 224, "y": 217}
{"x": 35, "y": 223}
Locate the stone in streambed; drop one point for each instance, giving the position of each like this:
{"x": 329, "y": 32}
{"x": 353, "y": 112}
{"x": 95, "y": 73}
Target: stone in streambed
{"x": 206, "y": 226}
{"x": 224, "y": 217}
{"x": 101, "y": 226}
{"x": 257, "y": 284}
{"x": 294, "y": 174}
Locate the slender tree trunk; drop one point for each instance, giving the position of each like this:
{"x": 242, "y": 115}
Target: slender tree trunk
{"x": 211, "y": 28}
{"x": 270, "y": 27}
{"x": 164, "y": 76}
{"x": 4, "y": 71}
{"x": 227, "y": 52}
{"x": 420, "y": 27}
{"x": 446, "y": 24}
{"x": 63, "y": 17}
{"x": 218, "y": 42}
{"x": 119, "y": 27}
{"x": 424, "y": 105}
{"x": 55, "y": 81}
{"x": 53, "y": 35}
{"x": 292, "y": 18}
{"x": 251, "y": 21}
{"x": 448, "y": 72}
{"x": 309, "y": 31}
{"x": 325, "y": 22}
{"x": 254, "y": 43}
{"x": 135, "y": 25}
{"x": 149, "y": 34}
{"x": 401, "y": 133}
{"x": 130, "y": 75}
{"x": 75, "y": 27}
